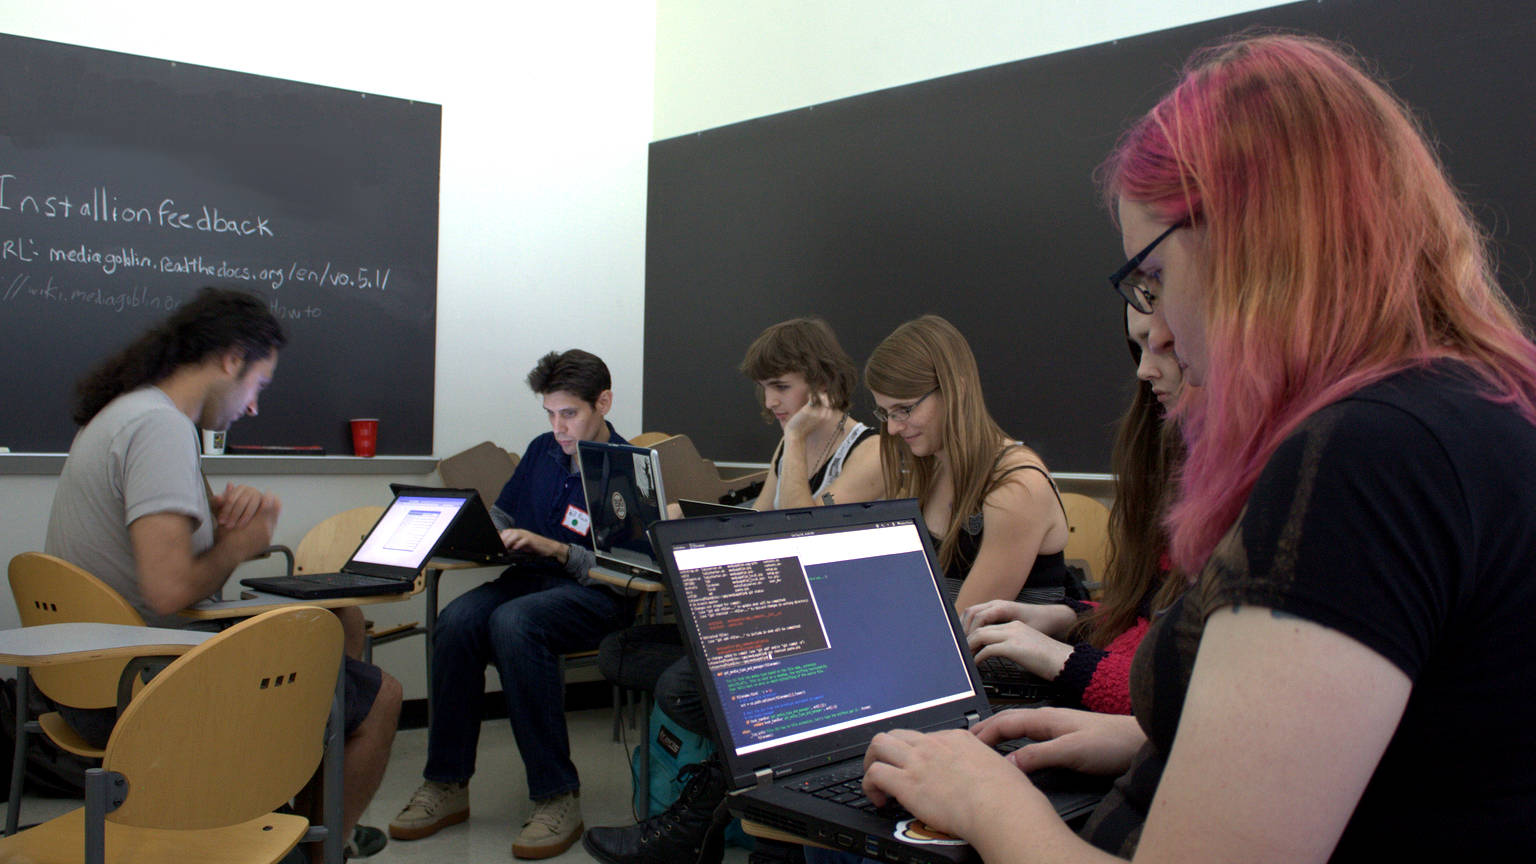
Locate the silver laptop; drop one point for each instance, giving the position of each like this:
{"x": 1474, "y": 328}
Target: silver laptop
{"x": 624, "y": 498}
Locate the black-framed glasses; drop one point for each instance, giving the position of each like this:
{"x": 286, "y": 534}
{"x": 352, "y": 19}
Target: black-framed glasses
{"x": 902, "y": 413}
{"x": 1131, "y": 284}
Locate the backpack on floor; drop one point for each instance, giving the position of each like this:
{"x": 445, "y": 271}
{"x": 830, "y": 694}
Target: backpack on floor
{"x": 671, "y": 748}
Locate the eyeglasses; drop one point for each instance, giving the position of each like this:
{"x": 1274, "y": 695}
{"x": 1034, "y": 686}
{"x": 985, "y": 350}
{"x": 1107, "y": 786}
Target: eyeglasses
{"x": 1131, "y": 284}
{"x": 902, "y": 413}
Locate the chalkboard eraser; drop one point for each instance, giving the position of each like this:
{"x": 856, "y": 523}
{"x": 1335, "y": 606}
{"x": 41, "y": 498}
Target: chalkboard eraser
{"x": 274, "y": 450}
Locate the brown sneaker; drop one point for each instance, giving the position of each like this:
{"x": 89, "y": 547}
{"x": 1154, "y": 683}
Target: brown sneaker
{"x": 554, "y": 825}
{"x": 434, "y": 807}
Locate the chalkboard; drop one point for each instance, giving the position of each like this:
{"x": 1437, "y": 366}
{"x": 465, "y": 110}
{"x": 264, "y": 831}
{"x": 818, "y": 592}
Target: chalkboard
{"x": 127, "y": 183}
{"x": 971, "y": 196}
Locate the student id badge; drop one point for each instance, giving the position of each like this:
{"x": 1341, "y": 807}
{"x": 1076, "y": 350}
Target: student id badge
{"x": 577, "y": 520}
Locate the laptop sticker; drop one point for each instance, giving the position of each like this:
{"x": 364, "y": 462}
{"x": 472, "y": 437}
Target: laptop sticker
{"x": 917, "y": 831}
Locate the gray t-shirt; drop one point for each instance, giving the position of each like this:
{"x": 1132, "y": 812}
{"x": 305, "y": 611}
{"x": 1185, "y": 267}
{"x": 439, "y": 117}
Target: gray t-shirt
{"x": 137, "y": 457}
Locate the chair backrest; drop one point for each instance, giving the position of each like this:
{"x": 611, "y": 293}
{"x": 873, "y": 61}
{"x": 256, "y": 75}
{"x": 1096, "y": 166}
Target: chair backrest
{"x": 648, "y": 439}
{"x": 50, "y": 590}
{"x": 1088, "y": 527}
{"x": 329, "y": 544}
{"x": 484, "y": 467}
{"x": 233, "y": 728}
{"x": 689, "y": 475}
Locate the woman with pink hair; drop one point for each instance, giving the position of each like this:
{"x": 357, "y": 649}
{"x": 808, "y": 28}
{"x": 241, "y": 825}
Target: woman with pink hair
{"x": 1349, "y": 675}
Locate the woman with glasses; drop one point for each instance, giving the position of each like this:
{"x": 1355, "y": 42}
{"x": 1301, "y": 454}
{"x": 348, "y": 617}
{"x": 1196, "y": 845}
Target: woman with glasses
{"x": 987, "y": 499}
{"x": 1092, "y": 670}
{"x": 1349, "y": 675}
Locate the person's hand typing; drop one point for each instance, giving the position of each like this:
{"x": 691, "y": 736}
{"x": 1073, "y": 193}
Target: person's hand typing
{"x": 1083, "y": 741}
{"x": 520, "y": 539}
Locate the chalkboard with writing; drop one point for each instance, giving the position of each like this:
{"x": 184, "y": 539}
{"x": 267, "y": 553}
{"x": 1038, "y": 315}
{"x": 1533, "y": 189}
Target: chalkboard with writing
{"x": 127, "y": 183}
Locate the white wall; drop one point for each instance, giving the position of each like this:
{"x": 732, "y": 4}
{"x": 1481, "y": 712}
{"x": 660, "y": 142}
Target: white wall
{"x": 722, "y": 62}
{"x": 546, "y": 118}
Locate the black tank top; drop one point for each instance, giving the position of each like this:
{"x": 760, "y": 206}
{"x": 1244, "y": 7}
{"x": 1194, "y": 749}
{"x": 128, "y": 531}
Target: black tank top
{"x": 1047, "y": 579}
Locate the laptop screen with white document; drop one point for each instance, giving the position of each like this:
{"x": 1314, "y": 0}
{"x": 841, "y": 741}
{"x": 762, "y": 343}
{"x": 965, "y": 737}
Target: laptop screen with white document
{"x": 812, "y": 633}
{"x": 409, "y": 530}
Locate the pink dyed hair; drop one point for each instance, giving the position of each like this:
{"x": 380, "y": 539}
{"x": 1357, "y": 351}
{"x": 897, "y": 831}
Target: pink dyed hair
{"x": 1333, "y": 249}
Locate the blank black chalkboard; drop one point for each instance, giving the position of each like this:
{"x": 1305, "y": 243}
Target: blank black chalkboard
{"x": 971, "y": 196}
{"x": 126, "y": 183}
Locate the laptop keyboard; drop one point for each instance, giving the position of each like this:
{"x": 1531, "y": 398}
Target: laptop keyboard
{"x": 844, "y": 784}
{"x": 1005, "y": 679}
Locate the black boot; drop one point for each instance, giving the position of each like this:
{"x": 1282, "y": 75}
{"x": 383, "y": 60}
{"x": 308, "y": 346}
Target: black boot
{"x": 688, "y": 831}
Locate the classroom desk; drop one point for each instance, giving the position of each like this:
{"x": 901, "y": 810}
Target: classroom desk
{"x": 256, "y": 602}
{"x": 60, "y": 644}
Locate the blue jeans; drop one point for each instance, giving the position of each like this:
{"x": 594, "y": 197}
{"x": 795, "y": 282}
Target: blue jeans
{"x": 522, "y": 622}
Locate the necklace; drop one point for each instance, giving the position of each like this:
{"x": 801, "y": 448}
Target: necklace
{"x": 837, "y": 435}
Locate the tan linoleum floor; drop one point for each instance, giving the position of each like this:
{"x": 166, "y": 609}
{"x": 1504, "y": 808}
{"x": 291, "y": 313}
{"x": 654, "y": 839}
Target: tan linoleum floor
{"x": 498, "y": 794}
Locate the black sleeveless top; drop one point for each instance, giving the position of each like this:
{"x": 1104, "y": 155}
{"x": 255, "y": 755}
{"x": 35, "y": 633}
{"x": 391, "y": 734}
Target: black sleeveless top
{"x": 1047, "y": 580}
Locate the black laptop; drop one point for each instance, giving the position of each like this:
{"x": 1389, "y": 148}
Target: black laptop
{"x": 389, "y": 559}
{"x": 818, "y": 628}
{"x": 624, "y": 497}
{"x": 472, "y": 536}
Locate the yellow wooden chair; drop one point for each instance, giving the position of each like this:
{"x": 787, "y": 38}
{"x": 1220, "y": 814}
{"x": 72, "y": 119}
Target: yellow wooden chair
{"x": 208, "y": 750}
{"x": 1088, "y": 537}
{"x": 50, "y": 590}
{"x": 328, "y": 545}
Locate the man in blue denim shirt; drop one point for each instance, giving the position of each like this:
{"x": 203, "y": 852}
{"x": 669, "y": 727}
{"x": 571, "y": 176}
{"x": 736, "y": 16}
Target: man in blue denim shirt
{"x": 523, "y": 621}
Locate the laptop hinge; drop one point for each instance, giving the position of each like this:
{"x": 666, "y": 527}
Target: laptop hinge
{"x": 764, "y": 777}
{"x": 971, "y": 719}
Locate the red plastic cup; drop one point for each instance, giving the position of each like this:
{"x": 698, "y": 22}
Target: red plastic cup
{"x": 365, "y": 436}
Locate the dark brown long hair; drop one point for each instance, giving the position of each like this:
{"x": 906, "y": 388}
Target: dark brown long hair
{"x": 1148, "y": 452}
{"x": 215, "y": 321}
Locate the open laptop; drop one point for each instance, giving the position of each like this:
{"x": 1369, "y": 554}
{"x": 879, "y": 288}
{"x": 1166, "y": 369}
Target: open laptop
{"x": 624, "y": 498}
{"x": 472, "y": 536}
{"x": 390, "y": 557}
{"x": 818, "y": 628}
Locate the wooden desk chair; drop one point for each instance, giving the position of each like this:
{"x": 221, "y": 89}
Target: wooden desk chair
{"x": 484, "y": 467}
{"x": 326, "y": 548}
{"x": 1088, "y": 537}
{"x": 328, "y": 545}
{"x": 50, "y": 590}
{"x": 686, "y": 474}
{"x": 199, "y": 760}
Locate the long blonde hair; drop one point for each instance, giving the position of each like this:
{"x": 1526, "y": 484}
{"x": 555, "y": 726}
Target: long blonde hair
{"x": 919, "y": 357}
